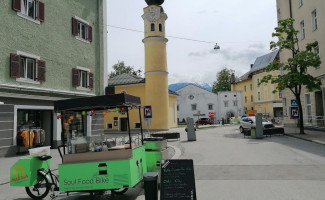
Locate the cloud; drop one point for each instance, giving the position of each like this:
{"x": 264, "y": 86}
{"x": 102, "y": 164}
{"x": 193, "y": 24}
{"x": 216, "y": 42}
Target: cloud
{"x": 257, "y": 46}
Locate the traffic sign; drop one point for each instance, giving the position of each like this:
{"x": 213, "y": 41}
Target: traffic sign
{"x": 294, "y": 114}
{"x": 147, "y": 112}
{"x": 294, "y": 102}
{"x": 211, "y": 114}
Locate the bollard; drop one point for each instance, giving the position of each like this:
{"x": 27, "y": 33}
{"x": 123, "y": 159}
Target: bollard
{"x": 150, "y": 185}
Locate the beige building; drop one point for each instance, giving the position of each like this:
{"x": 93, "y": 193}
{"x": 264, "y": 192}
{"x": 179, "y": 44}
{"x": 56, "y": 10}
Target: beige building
{"x": 260, "y": 98}
{"x": 309, "y": 18}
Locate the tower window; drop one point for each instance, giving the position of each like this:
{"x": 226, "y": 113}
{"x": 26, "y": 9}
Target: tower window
{"x": 160, "y": 27}
{"x": 152, "y": 27}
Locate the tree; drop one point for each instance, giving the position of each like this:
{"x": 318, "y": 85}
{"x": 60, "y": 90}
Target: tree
{"x": 223, "y": 82}
{"x": 120, "y": 68}
{"x": 295, "y": 75}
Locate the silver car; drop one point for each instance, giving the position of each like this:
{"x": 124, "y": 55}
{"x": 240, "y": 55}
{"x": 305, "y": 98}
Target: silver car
{"x": 249, "y": 122}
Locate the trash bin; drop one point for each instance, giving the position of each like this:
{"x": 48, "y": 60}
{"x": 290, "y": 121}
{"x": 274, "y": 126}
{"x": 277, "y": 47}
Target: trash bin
{"x": 150, "y": 185}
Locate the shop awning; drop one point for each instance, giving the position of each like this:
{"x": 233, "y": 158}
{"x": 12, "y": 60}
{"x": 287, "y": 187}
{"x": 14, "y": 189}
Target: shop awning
{"x": 97, "y": 103}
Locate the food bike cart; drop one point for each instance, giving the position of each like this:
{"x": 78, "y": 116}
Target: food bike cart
{"x": 86, "y": 167}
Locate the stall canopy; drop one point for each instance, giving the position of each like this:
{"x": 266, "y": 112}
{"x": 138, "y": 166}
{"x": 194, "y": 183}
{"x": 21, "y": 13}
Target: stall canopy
{"x": 97, "y": 102}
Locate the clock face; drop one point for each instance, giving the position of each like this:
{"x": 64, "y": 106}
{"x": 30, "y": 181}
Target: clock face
{"x": 152, "y": 14}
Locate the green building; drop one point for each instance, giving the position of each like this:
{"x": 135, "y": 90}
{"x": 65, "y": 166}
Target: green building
{"x": 49, "y": 50}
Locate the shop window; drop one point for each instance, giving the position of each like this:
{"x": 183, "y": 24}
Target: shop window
{"x": 33, "y": 10}
{"x": 74, "y": 125}
{"x": 27, "y": 67}
{"x": 81, "y": 29}
{"x": 82, "y": 78}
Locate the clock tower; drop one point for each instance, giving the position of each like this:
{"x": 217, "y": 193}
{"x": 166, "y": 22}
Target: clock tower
{"x": 156, "y": 74}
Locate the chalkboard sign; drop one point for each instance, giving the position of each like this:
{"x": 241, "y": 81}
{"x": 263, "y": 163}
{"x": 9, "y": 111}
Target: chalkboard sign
{"x": 177, "y": 180}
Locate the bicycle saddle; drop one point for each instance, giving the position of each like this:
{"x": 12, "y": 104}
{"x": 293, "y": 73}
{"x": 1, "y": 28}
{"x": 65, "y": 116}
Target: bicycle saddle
{"x": 43, "y": 158}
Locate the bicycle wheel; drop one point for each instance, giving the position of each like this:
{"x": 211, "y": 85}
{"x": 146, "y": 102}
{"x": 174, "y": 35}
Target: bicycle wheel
{"x": 40, "y": 189}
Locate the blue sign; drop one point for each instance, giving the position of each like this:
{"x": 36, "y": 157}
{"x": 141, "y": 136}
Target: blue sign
{"x": 147, "y": 112}
{"x": 294, "y": 114}
{"x": 294, "y": 102}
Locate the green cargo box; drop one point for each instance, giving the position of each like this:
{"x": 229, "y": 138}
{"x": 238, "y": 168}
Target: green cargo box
{"x": 108, "y": 172}
{"x": 24, "y": 171}
{"x": 156, "y": 144}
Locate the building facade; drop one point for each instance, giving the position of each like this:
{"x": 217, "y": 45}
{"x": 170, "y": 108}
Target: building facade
{"x": 50, "y": 50}
{"x": 153, "y": 89}
{"x": 260, "y": 97}
{"x": 194, "y": 101}
{"x": 309, "y": 20}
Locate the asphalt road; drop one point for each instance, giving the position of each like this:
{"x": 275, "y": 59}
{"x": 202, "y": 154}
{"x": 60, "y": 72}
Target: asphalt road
{"x": 228, "y": 166}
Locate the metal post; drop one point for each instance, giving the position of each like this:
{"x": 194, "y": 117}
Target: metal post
{"x": 141, "y": 125}
{"x": 129, "y": 129}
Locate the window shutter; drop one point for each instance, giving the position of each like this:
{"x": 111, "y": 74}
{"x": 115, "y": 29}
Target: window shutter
{"x": 91, "y": 80}
{"x": 16, "y": 5}
{"x": 14, "y": 65}
{"x": 41, "y": 71}
{"x": 75, "y": 77}
{"x": 41, "y": 11}
{"x": 74, "y": 27}
{"x": 90, "y": 34}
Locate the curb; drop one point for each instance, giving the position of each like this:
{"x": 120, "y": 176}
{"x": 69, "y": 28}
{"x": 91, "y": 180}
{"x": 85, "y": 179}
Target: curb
{"x": 306, "y": 139}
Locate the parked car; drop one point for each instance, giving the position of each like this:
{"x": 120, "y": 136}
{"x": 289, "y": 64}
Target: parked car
{"x": 204, "y": 121}
{"x": 249, "y": 122}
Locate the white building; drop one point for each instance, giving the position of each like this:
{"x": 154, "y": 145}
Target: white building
{"x": 193, "y": 100}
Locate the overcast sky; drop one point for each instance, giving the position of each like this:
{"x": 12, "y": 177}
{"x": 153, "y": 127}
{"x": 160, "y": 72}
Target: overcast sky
{"x": 242, "y": 29}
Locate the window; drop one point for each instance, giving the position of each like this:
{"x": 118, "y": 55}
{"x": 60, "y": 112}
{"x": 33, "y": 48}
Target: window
{"x": 27, "y": 67}
{"x": 210, "y": 107}
{"x": 193, "y": 106}
{"x": 152, "y": 27}
{"x": 226, "y": 103}
{"x": 308, "y": 107}
{"x": 235, "y": 103}
{"x": 302, "y": 30}
{"x": 285, "y": 111}
{"x": 252, "y": 99}
{"x": 81, "y": 29}
{"x": 109, "y": 126}
{"x": 258, "y": 82}
{"x": 280, "y": 94}
{"x": 160, "y": 28}
{"x": 177, "y": 107}
{"x": 251, "y": 86}
{"x": 316, "y": 51}
{"x": 137, "y": 125}
{"x": 33, "y": 10}
{"x": 300, "y": 3}
{"x": 259, "y": 96}
{"x": 245, "y": 88}
{"x": 245, "y": 99}
{"x": 314, "y": 20}
{"x": 252, "y": 108}
{"x": 82, "y": 78}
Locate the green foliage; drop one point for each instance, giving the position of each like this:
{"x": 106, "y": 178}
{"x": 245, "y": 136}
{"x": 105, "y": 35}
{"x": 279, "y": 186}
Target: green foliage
{"x": 121, "y": 68}
{"x": 295, "y": 70}
{"x": 223, "y": 82}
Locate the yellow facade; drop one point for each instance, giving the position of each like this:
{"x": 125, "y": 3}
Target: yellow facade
{"x": 259, "y": 98}
{"x": 248, "y": 94}
{"x": 154, "y": 91}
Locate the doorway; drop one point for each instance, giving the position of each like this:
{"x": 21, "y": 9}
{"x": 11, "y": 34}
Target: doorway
{"x": 123, "y": 124}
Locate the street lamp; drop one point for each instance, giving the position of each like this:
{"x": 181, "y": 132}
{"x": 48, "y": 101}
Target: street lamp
{"x": 216, "y": 47}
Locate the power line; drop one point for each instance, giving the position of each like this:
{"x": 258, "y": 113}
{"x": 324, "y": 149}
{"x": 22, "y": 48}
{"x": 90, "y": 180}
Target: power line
{"x": 182, "y": 38}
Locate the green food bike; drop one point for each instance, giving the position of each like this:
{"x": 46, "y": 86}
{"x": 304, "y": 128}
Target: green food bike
{"x": 87, "y": 166}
